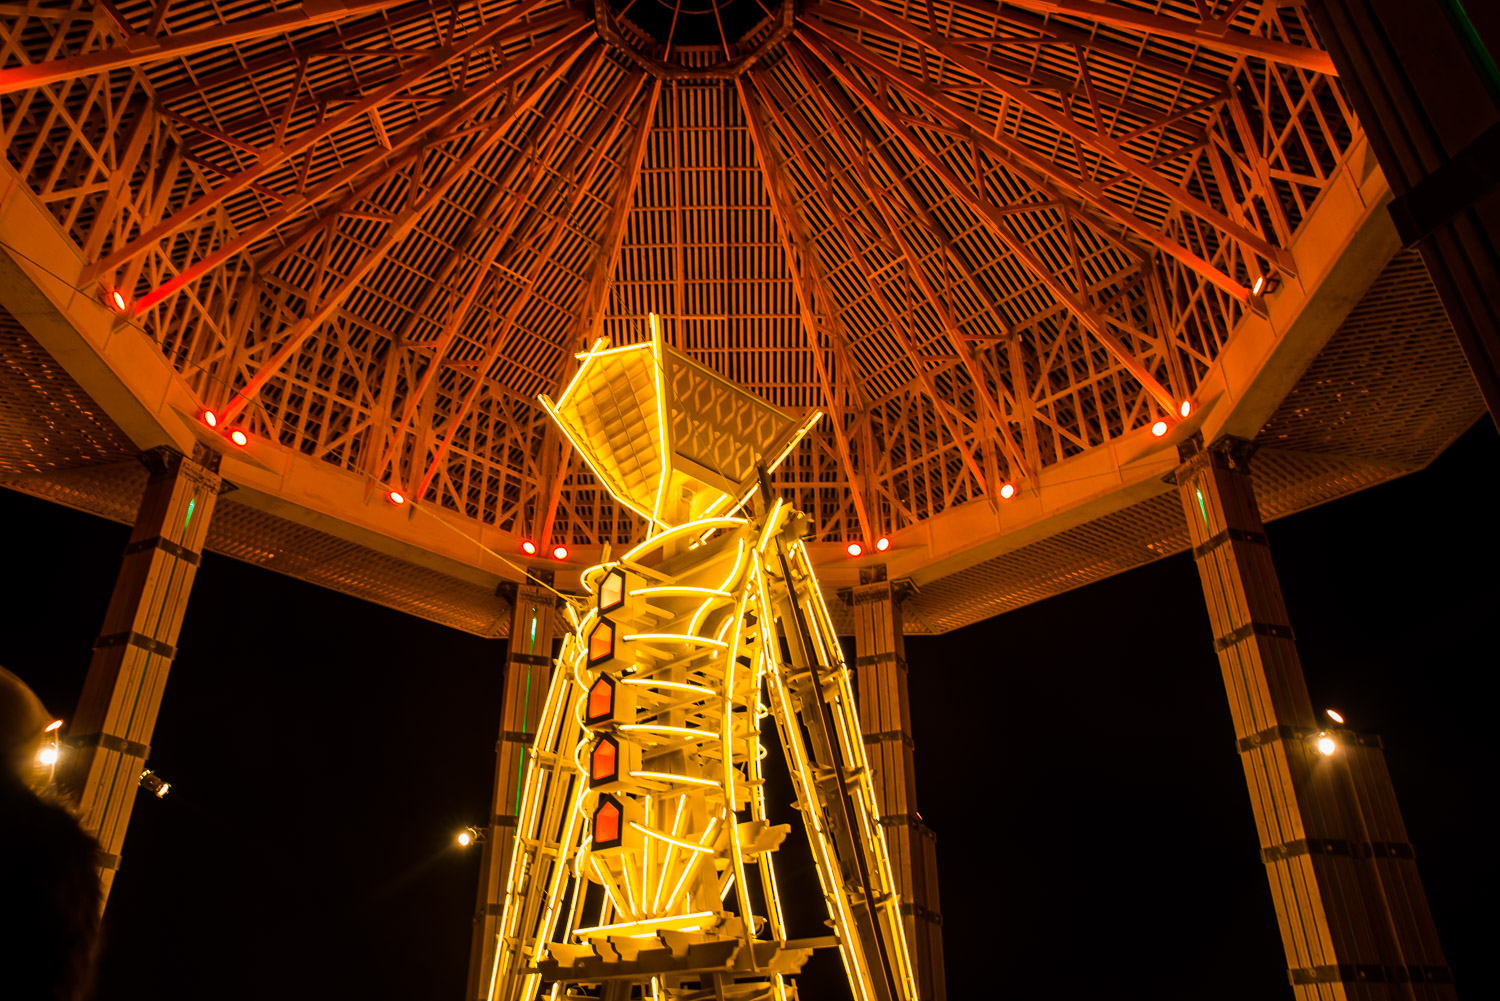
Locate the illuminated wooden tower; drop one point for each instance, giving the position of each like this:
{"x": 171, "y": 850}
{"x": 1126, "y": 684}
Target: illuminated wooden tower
{"x": 645, "y": 855}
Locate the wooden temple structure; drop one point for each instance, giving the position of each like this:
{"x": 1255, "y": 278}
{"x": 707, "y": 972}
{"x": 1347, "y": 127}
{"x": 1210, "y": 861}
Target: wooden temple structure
{"x": 1073, "y": 284}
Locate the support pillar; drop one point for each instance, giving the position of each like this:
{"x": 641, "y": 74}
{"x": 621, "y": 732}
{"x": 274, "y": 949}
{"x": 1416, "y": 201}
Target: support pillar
{"x": 1354, "y": 920}
{"x": 110, "y": 734}
{"x": 528, "y": 671}
{"x": 885, "y": 719}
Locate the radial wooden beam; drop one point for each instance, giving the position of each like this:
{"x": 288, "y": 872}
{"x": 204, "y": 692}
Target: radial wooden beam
{"x": 1090, "y": 196}
{"x": 803, "y": 264}
{"x": 913, "y": 261}
{"x": 1211, "y": 33}
{"x": 1097, "y": 140}
{"x": 994, "y": 220}
{"x": 894, "y": 316}
{"x": 139, "y": 50}
{"x": 595, "y": 304}
{"x": 611, "y": 115}
{"x": 396, "y": 232}
{"x": 542, "y": 256}
{"x": 270, "y": 158}
{"x": 1020, "y": 399}
{"x": 464, "y": 249}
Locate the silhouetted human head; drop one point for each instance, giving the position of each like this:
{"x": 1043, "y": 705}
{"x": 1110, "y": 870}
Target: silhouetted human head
{"x": 23, "y": 719}
{"x": 49, "y": 888}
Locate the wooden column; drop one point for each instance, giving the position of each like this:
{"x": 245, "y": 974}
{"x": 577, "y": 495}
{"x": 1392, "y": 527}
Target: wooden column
{"x": 885, "y": 719}
{"x": 1354, "y": 920}
{"x": 110, "y": 734}
{"x": 528, "y": 671}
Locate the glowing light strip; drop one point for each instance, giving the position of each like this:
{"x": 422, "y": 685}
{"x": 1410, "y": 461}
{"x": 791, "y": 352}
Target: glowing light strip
{"x": 675, "y": 638}
{"x": 726, "y": 738}
{"x": 646, "y": 858}
{"x": 669, "y": 777}
{"x": 655, "y": 728}
{"x": 770, "y": 526}
{"x": 685, "y": 591}
{"x": 738, "y": 568}
{"x": 599, "y": 346}
{"x": 659, "y": 383}
{"x": 666, "y": 859}
{"x": 664, "y": 836}
{"x": 708, "y": 833}
{"x": 678, "y": 685}
{"x": 608, "y": 882}
{"x": 674, "y": 922}
{"x": 622, "y": 349}
{"x": 629, "y": 887}
{"x": 671, "y": 533}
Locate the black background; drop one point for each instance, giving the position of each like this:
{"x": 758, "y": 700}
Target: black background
{"x": 1075, "y": 758}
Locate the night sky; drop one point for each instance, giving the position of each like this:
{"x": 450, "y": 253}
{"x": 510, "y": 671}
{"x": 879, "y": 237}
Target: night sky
{"x": 1075, "y": 758}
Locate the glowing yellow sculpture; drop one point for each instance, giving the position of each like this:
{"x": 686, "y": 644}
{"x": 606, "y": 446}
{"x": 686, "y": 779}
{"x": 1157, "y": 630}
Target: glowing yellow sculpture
{"x": 643, "y": 818}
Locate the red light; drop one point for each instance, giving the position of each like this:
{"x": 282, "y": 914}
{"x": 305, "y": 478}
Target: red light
{"x": 210, "y": 418}
{"x": 118, "y": 300}
{"x": 854, "y": 549}
{"x": 396, "y": 497}
{"x": 1159, "y": 428}
{"x": 882, "y": 544}
{"x": 1007, "y": 491}
{"x": 559, "y": 552}
{"x": 1186, "y": 408}
{"x": 528, "y": 547}
{"x": 239, "y": 437}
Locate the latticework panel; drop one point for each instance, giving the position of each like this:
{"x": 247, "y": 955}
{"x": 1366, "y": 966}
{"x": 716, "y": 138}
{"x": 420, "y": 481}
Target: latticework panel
{"x": 1391, "y": 383}
{"x": 983, "y": 238}
{"x": 47, "y": 422}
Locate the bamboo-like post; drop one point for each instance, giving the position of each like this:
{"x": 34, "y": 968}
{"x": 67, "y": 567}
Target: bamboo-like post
{"x": 110, "y": 736}
{"x": 885, "y": 721}
{"x": 528, "y": 670}
{"x": 1354, "y": 920}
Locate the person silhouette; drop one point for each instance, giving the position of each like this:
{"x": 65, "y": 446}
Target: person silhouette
{"x": 49, "y": 886}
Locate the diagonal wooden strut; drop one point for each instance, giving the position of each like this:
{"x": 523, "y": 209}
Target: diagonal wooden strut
{"x": 397, "y": 231}
{"x": 994, "y": 219}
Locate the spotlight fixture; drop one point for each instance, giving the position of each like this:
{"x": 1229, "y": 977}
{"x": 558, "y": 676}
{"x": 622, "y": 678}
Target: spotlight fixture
{"x": 210, "y": 418}
{"x": 469, "y": 836}
{"x": 48, "y": 755}
{"x": 1264, "y": 284}
{"x": 152, "y": 783}
{"x": 396, "y": 497}
{"x": 1007, "y": 491}
{"x": 1336, "y": 717}
{"x": 1185, "y": 408}
{"x": 1159, "y": 428}
{"x": 239, "y": 437}
{"x": 882, "y": 544}
{"x": 559, "y": 552}
{"x": 854, "y": 549}
{"x": 528, "y": 547}
{"x": 57, "y": 723}
{"x": 116, "y": 299}
{"x": 1326, "y": 744}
